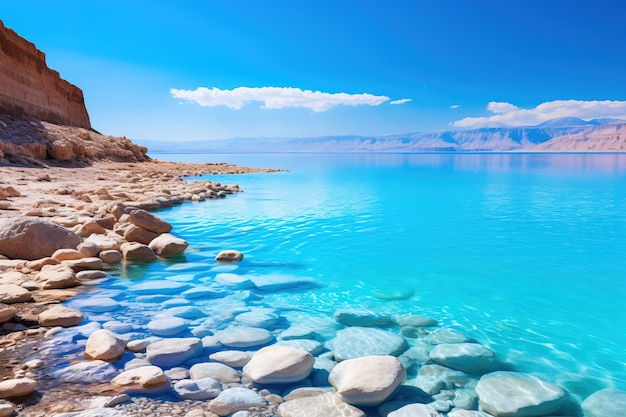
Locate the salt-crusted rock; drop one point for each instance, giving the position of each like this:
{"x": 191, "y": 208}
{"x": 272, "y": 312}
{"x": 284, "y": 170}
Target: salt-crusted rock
{"x": 605, "y": 403}
{"x": 511, "y": 394}
{"x": 91, "y": 372}
{"x": 6, "y": 313}
{"x": 56, "y": 277}
{"x": 404, "y": 409}
{"x": 67, "y": 254}
{"x": 325, "y": 405}
{"x": 111, "y": 256}
{"x": 363, "y": 318}
{"x": 265, "y": 318}
{"x": 354, "y": 342}
{"x": 218, "y": 371}
{"x": 139, "y": 234}
{"x": 229, "y": 255}
{"x": 17, "y": 387}
{"x": 367, "y": 381}
{"x": 134, "y": 251}
{"x": 149, "y": 221}
{"x": 445, "y": 335}
{"x": 416, "y": 320}
{"x": 168, "y": 245}
{"x": 170, "y": 326}
{"x": 11, "y": 294}
{"x": 143, "y": 379}
{"x": 235, "y": 399}
{"x": 279, "y": 365}
{"x": 467, "y": 357}
{"x": 199, "y": 389}
{"x": 174, "y": 351}
{"x": 30, "y": 239}
{"x": 244, "y": 337}
{"x": 60, "y": 316}
{"x": 312, "y": 346}
{"x": 104, "y": 345}
{"x": 232, "y": 358}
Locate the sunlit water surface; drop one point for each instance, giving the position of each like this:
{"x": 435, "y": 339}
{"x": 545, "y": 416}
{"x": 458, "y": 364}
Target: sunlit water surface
{"x": 526, "y": 253}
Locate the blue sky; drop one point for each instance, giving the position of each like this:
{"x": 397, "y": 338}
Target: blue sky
{"x": 169, "y": 70}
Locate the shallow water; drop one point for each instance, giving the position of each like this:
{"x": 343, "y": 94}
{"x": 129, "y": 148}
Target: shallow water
{"x": 523, "y": 252}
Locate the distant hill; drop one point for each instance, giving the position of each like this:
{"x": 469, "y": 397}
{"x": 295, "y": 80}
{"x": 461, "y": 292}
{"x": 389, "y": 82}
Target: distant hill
{"x": 569, "y": 134}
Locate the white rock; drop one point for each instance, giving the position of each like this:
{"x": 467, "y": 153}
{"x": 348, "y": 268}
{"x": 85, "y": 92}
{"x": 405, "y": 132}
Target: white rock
{"x": 445, "y": 335}
{"x": 91, "y": 372}
{"x": 361, "y": 317}
{"x": 260, "y": 317}
{"x": 174, "y": 351}
{"x": 235, "y": 399}
{"x": 12, "y": 293}
{"x": 142, "y": 379}
{"x": 218, "y": 371}
{"x": 104, "y": 345}
{"x": 244, "y": 337}
{"x": 325, "y": 405}
{"x": 312, "y": 346}
{"x": 234, "y": 281}
{"x": 163, "y": 286}
{"x": 199, "y": 389}
{"x": 279, "y": 365}
{"x": 60, "y": 316}
{"x": 467, "y": 357}
{"x": 403, "y": 409}
{"x": 355, "y": 342}
{"x": 605, "y": 403}
{"x": 17, "y": 387}
{"x": 167, "y": 326}
{"x": 368, "y": 380}
{"x": 95, "y": 304}
{"x": 277, "y": 282}
{"x": 232, "y": 358}
{"x": 168, "y": 245}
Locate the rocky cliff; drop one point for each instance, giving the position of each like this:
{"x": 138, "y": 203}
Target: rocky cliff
{"x": 29, "y": 88}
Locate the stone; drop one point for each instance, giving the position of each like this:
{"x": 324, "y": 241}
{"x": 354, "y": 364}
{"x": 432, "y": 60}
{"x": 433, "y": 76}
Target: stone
{"x": 363, "y": 318}
{"x": 30, "y": 239}
{"x": 21, "y": 387}
{"x": 608, "y": 402}
{"x": 368, "y": 380}
{"x": 170, "y": 326}
{"x": 325, "y": 405}
{"x": 67, "y": 254}
{"x": 38, "y": 264}
{"x": 91, "y": 372}
{"x": 84, "y": 264}
{"x": 235, "y": 399}
{"x": 240, "y": 282}
{"x": 312, "y": 346}
{"x": 88, "y": 249}
{"x": 111, "y": 256}
{"x": 104, "y": 345}
{"x": 244, "y": 337}
{"x": 11, "y": 294}
{"x": 232, "y": 358}
{"x": 218, "y": 371}
{"x": 228, "y": 256}
{"x": 174, "y": 351}
{"x": 138, "y": 234}
{"x": 134, "y": 251}
{"x": 143, "y": 379}
{"x": 6, "y": 410}
{"x": 149, "y": 221}
{"x": 56, "y": 277}
{"x": 260, "y": 317}
{"x": 6, "y": 313}
{"x": 199, "y": 389}
{"x": 60, "y": 316}
{"x": 468, "y": 413}
{"x": 167, "y": 245}
{"x": 354, "y": 342}
{"x": 140, "y": 345}
{"x": 279, "y": 365}
{"x": 163, "y": 286}
{"x": 512, "y": 394}
{"x": 404, "y": 409}
{"x": 416, "y": 320}
{"x": 471, "y": 358}
{"x": 445, "y": 335}
{"x": 279, "y": 282}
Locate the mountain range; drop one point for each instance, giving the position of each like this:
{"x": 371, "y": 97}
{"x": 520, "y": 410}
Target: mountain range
{"x": 567, "y": 134}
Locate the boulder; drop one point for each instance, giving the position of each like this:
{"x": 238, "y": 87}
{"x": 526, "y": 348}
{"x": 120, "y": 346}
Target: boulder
{"x": 174, "y": 351}
{"x": 31, "y": 238}
{"x": 56, "y": 277}
{"x": 17, "y": 387}
{"x": 104, "y": 345}
{"x": 279, "y": 365}
{"x": 235, "y": 399}
{"x": 149, "y": 221}
{"x": 325, "y": 405}
{"x": 199, "y": 389}
{"x": 228, "y": 256}
{"x": 218, "y": 371}
{"x": 67, "y": 254}
{"x": 367, "y": 381}
{"x": 134, "y": 251}
{"x": 354, "y": 342}
{"x": 360, "y": 317}
{"x": 60, "y": 316}
{"x": 168, "y": 245}
{"x": 511, "y": 394}
{"x": 467, "y": 357}
{"x": 11, "y": 294}
{"x": 608, "y": 402}
{"x": 85, "y": 264}
{"x": 111, "y": 256}
{"x": 142, "y": 379}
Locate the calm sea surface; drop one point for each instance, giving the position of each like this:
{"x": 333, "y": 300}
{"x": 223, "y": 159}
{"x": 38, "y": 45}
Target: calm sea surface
{"x": 526, "y": 253}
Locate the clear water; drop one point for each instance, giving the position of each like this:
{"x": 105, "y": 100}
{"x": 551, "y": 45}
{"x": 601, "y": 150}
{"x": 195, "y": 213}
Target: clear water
{"x": 526, "y": 253}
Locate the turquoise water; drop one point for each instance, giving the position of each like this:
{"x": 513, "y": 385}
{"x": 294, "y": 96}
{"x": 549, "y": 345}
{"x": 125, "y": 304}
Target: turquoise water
{"x": 526, "y": 253}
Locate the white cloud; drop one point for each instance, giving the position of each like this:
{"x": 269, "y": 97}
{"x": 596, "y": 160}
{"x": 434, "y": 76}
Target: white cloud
{"x": 509, "y": 114}
{"x": 275, "y": 98}
{"x": 455, "y": 106}
{"x": 401, "y": 101}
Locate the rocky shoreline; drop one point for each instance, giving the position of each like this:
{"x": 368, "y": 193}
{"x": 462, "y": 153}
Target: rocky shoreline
{"x": 63, "y": 228}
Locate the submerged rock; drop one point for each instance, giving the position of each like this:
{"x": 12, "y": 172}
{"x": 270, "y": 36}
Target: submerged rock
{"x": 104, "y": 345}
{"x": 467, "y": 357}
{"x": 324, "y": 405}
{"x": 244, "y": 337}
{"x": 199, "y": 389}
{"x": 605, "y": 403}
{"x": 60, "y": 316}
{"x": 141, "y": 380}
{"x": 404, "y": 409}
{"x": 363, "y": 318}
{"x": 218, "y": 371}
{"x": 174, "y": 351}
{"x": 279, "y": 365}
{"x": 90, "y": 372}
{"x": 235, "y": 399}
{"x": 354, "y": 342}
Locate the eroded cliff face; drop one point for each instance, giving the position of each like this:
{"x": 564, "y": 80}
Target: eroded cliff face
{"x": 29, "y": 88}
